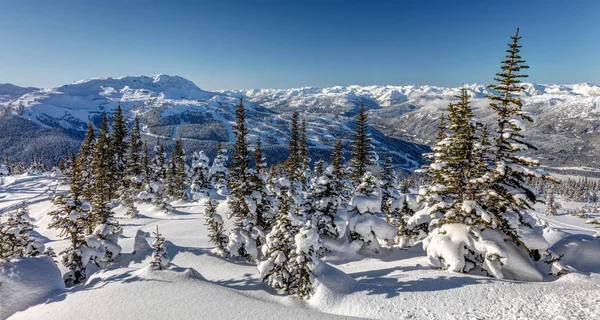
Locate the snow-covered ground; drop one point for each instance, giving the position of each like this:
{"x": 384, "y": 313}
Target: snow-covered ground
{"x": 398, "y": 284}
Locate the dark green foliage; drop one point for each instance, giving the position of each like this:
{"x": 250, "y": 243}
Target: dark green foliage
{"x": 119, "y": 143}
{"x": 240, "y": 174}
{"x": 361, "y": 148}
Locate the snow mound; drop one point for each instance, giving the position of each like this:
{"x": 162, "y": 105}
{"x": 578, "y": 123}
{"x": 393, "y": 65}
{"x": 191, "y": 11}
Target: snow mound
{"x": 28, "y": 281}
{"x": 553, "y": 235}
{"x": 161, "y": 294}
{"x": 455, "y": 247}
{"x": 581, "y": 252}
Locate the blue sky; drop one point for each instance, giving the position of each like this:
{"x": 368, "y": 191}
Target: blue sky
{"x": 281, "y": 44}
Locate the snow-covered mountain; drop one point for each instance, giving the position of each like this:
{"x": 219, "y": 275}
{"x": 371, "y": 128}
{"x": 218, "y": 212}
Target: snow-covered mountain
{"x": 9, "y": 92}
{"x": 566, "y": 127}
{"x": 170, "y": 107}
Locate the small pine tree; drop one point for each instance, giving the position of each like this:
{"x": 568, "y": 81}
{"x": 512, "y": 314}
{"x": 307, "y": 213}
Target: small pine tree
{"x": 160, "y": 259}
{"x": 214, "y": 223}
{"x": 387, "y": 184}
{"x": 71, "y": 220}
{"x": 304, "y": 260}
{"x": 551, "y": 205}
{"x": 218, "y": 171}
{"x": 278, "y": 249}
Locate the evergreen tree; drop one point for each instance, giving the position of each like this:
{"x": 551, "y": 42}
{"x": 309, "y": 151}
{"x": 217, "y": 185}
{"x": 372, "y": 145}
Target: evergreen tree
{"x": 240, "y": 173}
{"x": 104, "y": 165}
{"x": 387, "y": 184}
{"x": 218, "y": 171}
{"x": 160, "y": 259}
{"x": 323, "y": 201}
{"x": 170, "y": 185}
{"x": 304, "y": 260}
{"x": 214, "y": 223}
{"x": 179, "y": 182}
{"x": 510, "y": 191}
{"x": 134, "y": 157}
{"x": 199, "y": 176}
{"x": 84, "y": 160}
{"x": 361, "y": 149}
{"x": 146, "y": 169}
{"x": 71, "y": 220}
{"x": 551, "y": 205}
{"x": 303, "y": 154}
{"x": 294, "y": 160}
{"x": 318, "y": 170}
{"x": 20, "y": 225}
{"x": 275, "y": 269}
{"x": 6, "y": 164}
{"x": 119, "y": 143}
{"x": 132, "y": 211}
{"x": 263, "y": 214}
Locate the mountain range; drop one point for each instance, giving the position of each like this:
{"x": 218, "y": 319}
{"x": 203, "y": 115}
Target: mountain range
{"x": 52, "y": 121}
{"x": 403, "y": 119}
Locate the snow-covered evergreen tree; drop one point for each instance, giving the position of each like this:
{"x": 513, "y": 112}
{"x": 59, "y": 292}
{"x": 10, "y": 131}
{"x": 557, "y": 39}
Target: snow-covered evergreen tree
{"x": 199, "y": 176}
{"x": 304, "y": 260}
{"x": 551, "y": 204}
{"x": 160, "y": 260}
{"x": 134, "y": 156}
{"x": 71, "y": 220}
{"x": 387, "y": 184}
{"x": 214, "y": 223}
{"x": 119, "y": 144}
{"x": 218, "y": 171}
{"x": 323, "y": 201}
{"x": 84, "y": 160}
{"x": 278, "y": 249}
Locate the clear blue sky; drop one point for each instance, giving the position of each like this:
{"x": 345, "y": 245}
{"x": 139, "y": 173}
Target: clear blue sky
{"x": 286, "y": 43}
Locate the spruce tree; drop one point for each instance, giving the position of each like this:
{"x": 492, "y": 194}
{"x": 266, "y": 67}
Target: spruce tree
{"x": 387, "y": 184}
{"x": 179, "y": 180}
{"x": 293, "y": 162}
{"x": 304, "y": 260}
{"x": 218, "y": 171}
{"x": 361, "y": 149}
{"x": 160, "y": 260}
{"x": 84, "y": 159}
{"x": 71, "y": 220}
{"x": 119, "y": 143}
{"x": 551, "y": 205}
{"x": 323, "y": 201}
{"x": 146, "y": 168}
{"x": 511, "y": 168}
{"x": 134, "y": 156}
{"x": 304, "y": 156}
{"x": 214, "y": 223}
{"x": 240, "y": 173}
{"x": 278, "y": 249}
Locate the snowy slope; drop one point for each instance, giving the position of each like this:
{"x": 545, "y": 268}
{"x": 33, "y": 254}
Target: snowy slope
{"x": 567, "y": 116}
{"x": 172, "y": 107}
{"x": 394, "y": 285}
{"x": 9, "y": 92}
